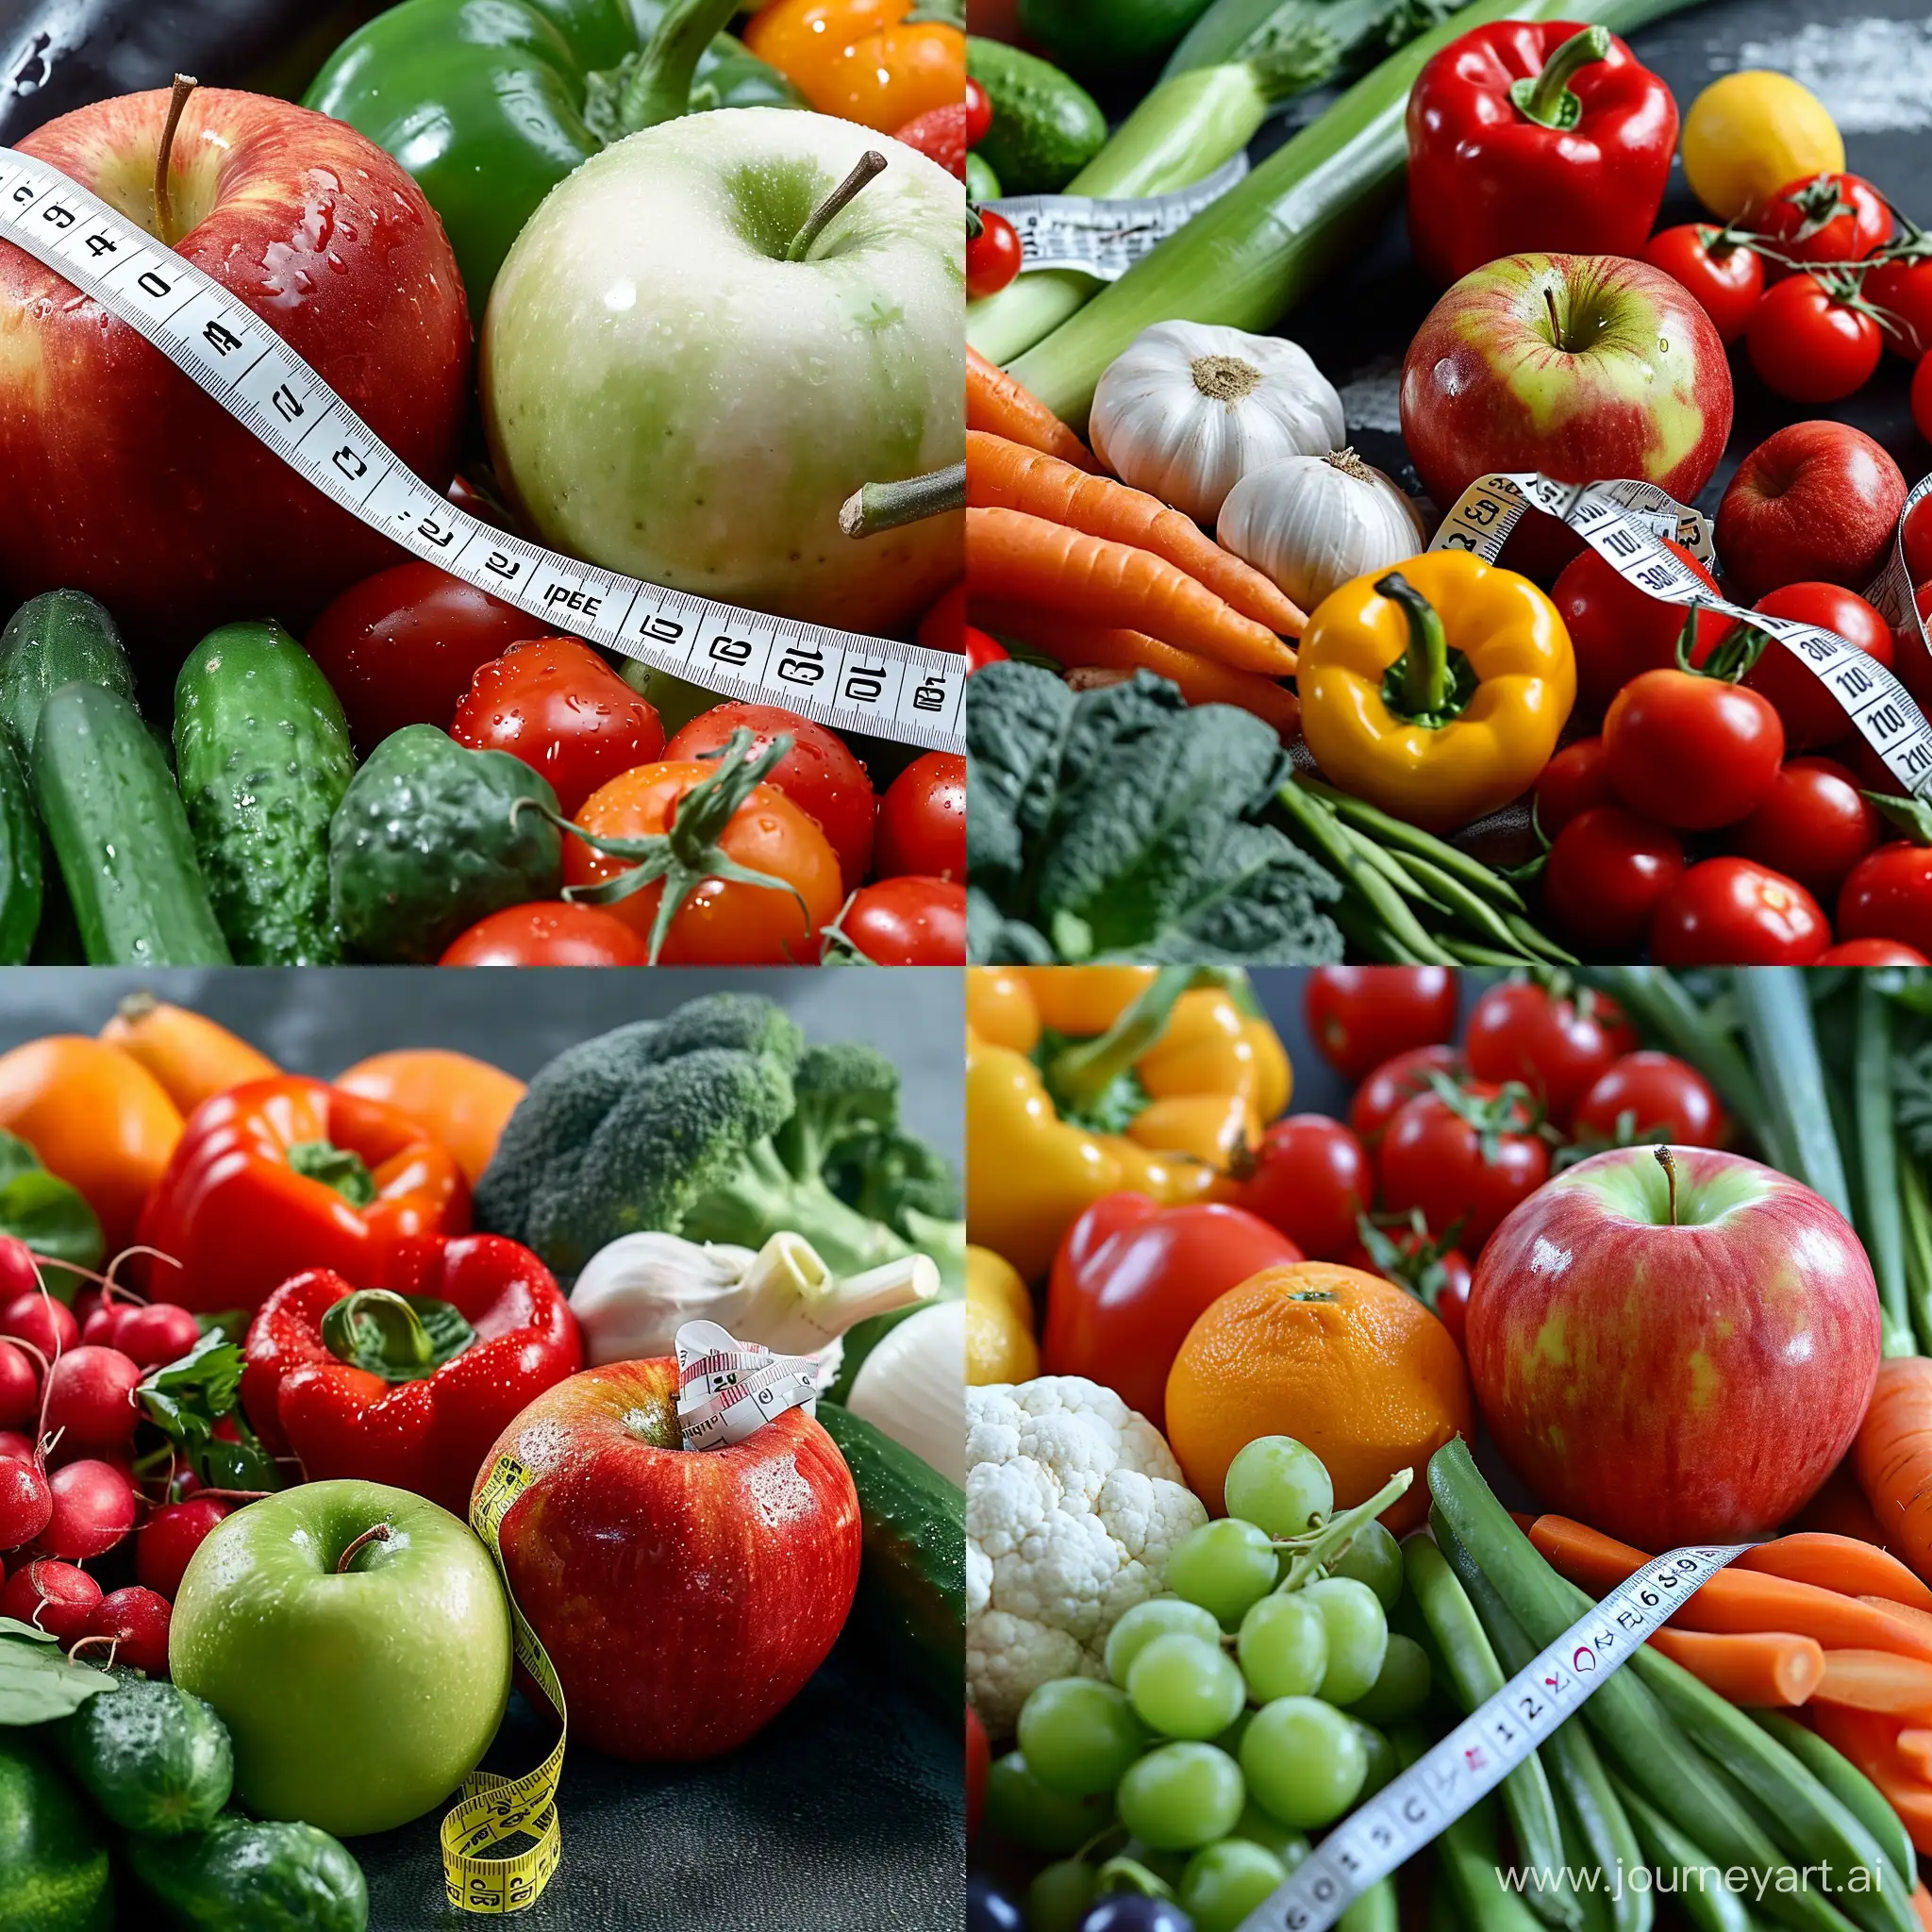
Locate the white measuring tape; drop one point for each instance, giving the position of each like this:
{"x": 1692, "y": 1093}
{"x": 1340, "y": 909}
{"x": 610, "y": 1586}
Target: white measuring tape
{"x": 1105, "y": 238}
{"x": 727, "y": 1390}
{"x": 875, "y": 684}
{"x": 1414, "y": 1809}
{"x": 1625, "y": 523}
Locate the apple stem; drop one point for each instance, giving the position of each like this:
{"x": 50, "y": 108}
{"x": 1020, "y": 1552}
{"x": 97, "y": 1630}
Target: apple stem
{"x": 875, "y": 506}
{"x": 1670, "y": 1168}
{"x": 1555, "y": 320}
{"x": 185, "y": 85}
{"x": 1545, "y": 98}
{"x": 378, "y": 1534}
{"x": 869, "y": 164}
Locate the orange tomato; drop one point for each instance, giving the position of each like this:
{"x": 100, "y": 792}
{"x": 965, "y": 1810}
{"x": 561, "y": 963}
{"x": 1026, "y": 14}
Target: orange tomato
{"x": 721, "y": 921}
{"x": 458, "y": 1102}
{"x": 97, "y": 1118}
{"x": 862, "y": 59}
{"x": 192, "y": 1057}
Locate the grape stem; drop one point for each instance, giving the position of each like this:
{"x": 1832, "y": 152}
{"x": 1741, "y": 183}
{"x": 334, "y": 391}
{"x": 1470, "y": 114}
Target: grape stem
{"x": 1313, "y": 1551}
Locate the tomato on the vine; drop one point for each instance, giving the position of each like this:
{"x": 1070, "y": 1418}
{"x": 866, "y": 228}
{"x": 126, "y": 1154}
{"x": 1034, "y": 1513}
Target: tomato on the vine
{"x": 1554, "y": 1044}
{"x": 1888, "y": 896}
{"x": 1726, "y": 278}
{"x": 908, "y": 921}
{"x": 1646, "y": 1095}
{"x": 1813, "y": 826}
{"x": 1823, "y": 218}
{"x": 1692, "y": 752}
{"x": 1410, "y": 1258}
{"x": 548, "y": 932}
{"x": 1362, "y": 1015}
{"x": 992, "y": 256}
{"x": 921, "y": 824}
{"x": 1470, "y": 1158}
{"x": 1810, "y": 715}
{"x": 1902, "y": 292}
{"x": 1312, "y": 1179}
{"x": 1575, "y": 781}
{"x": 1618, "y": 632}
{"x": 1606, "y": 875}
{"x": 1808, "y": 344}
{"x": 1397, "y": 1081}
{"x": 1733, "y": 912}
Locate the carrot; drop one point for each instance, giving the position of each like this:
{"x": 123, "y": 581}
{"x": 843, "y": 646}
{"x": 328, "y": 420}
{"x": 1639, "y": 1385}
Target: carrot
{"x": 1018, "y": 558}
{"x": 1893, "y": 1458}
{"x": 1915, "y": 1751}
{"x": 1840, "y": 1508}
{"x": 1076, "y": 643}
{"x": 1764, "y": 1667}
{"x": 1922, "y": 1904}
{"x": 998, "y": 402}
{"x": 1737, "y": 1600}
{"x": 1870, "y": 1740}
{"x": 1010, "y": 475}
{"x": 1919, "y": 1620}
{"x": 1840, "y": 1563}
{"x": 1878, "y": 1680}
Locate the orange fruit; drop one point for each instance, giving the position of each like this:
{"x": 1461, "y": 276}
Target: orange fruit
{"x": 1342, "y": 1361}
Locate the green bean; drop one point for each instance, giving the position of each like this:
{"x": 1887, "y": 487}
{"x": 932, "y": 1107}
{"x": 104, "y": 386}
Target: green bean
{"x": 1368, "y": 933}
{"x": 1483, "y": 918}
{"x": 1318, "y": 825}
{"x": 1851, "y": 1788}
{"x": 1708, "y": 1903}
{"x": 1376, "y": 1910}
{"x": 1470, "y": 954}
{"x": 1470, "y": 1857}
{"x": 1408, "y": 838}
{"x": 1390, "y": 867}
{"x": 1538, "y": 940}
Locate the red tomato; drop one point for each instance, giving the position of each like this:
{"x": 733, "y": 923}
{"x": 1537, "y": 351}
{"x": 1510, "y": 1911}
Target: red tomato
{"x": 1871, "y": 953}
{"x": 555, "y": 703}
{"x": 1692, "y": 752}
{"x": 1362, "y": 1015}
{"x": 979, "y": 1751}
{"x": 1438, "y": 1276}
{"x": 1129, "y": 1280}
{"x": 983, "y": 648}
{"x": 1810, "y": 715}
{"x": 1824, "y": 218}
{"x": 1464, "y": 1166}
{"x": 400, "y": 647}
{"x": 922, "y": 826}
{"x": 1616, "y": 631}
{"x": 978, "y": 113}
{"x": 1922, "y": 397}
{"x": 1605, "y": 876}
{"x": 945, "y": 619}
{"x": 1397, "y": 1080}
{"x": 1808, "y": 345}
{"x": 992, "y": 256}
{"x": 1727, "y": 280}
{"x": 1646, "y": 1095}
{"x": 1451, "y": 1307}
{"x": 818, "y": 774}
{"x": 1888, "y": 896}
{"x": 1873, "y": 775}
{"x": 1902, "y": 292}
{"x": 1312, "y": 1179}
{"x": 1556, "y": 1047}
{"x": 1730, "y": 912}
{"x": 1918, "y": 538}
{"x": 550, "y": 932}
{"x": 1813, "y": 826}
{"x": 1576, "y": 780}
{"x": 907, "y": 922}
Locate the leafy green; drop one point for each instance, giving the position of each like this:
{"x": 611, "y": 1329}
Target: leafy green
{"x": 36, "y": 1683}
{"x": 1123, "y": 822}
{"x": 186, "y": 1399}
{"x": 52, "y": 1218}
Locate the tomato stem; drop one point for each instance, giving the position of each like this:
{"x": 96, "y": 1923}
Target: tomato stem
{"x": 185, "y": 85}
{"x": 868, "y": 166}
{"x": 875, "y": 506}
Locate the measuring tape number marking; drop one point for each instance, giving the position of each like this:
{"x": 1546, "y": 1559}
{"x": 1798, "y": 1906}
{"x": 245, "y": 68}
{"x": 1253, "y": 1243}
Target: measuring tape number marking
{"x": 1105, "y": 238}
{"x": 875, "y": 684}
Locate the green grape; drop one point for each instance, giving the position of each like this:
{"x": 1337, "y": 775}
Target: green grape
{"x": 1152, "y": 1618}
{"x": 1303, "y": 1761}
{"x": 1224, "y": 1566}
{"x": 1357, "y": 1635}
{"x": 1383, "y": 1762}
{"x": 1183, "y": 1688}
{"x": 1180, "y": 1796}
{"x": 1078, "y": 1736}
{"x": 1401, "y": 1688}
{"x": 1284, "y": 1841}
{"x": 1225, "y": 1882}
{"x": 1283, "y": 1647}
{"x": 1281, "y": 1485}
{"x": 1057, "y": 1899}
{"x": 1020, "y": 1807}
{"x": 1375, "y": 1558}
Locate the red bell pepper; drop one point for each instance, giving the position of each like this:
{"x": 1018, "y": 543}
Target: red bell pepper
{"x": 278, "y": 1175}
{"x": 409, "y": 1377}
{"x": 1129, "y": 1280}
{"x": 1535, "y": 134}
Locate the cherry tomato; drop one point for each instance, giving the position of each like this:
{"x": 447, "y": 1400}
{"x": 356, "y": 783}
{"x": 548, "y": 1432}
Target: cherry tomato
{"x": 1471, "y": 1162}
{"x": 818, "y": 774}
{"x": 1871, "y": 953}
{"x": 1451, "y": 1307}
{"x": 1690, "y": 752}
{"x": 1399, "y": 1079}
{"x": 1363, "y": 1015}
{"x": 1808, "y": 345}
{"x": 1917, "y": 533}
{"x": 721, "y": 921}
{"x": 992, "y": 256}
{"x": 978, "y": 113}
{"x": 1556, "y": 1047}
{"x": 1726, "y": 281}
{"x": 1901, "y": 290}
{"x": 1647, "y": 1094}
{"x": 1823, "y": 218}
{"x": 1605, "y": 876}
{"x": 1618, "y": 632}
{"x": 555, "y": 703}
{"x": 943, "y": 625}
{"x": 1312, "y": 1179}
{"x": 1813, "y": 826}
{"x": 1810, "y": 715}
{"x": 400, "y": 647}
{"x": 1732, "y": 912}
{"x": 1888, "y": 896}
{"x": 908, "y": 921}
{"x": 549, "y": 932}
{"x": 1439, "y": 1277}
{"x": 1873, "y": 775}
{"x": 1922, "y": 397}
{"x": 1574, "y": 781}
{"x": 983, "y": 648}
{"x": 922, "y": 826}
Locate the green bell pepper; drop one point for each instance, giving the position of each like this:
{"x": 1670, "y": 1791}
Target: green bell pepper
{"x": 489, "y": 104}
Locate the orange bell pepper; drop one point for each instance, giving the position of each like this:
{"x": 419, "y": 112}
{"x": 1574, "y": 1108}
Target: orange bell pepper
{"x": 462, "y": 1103}
{"x": 192, "y": 1057}
{"x": 879, "y": 62}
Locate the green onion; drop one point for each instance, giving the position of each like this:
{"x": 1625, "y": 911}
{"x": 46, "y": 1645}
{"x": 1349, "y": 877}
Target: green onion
{"x": 1882, "y": 1223}
{"x": 1796, "y": 1128}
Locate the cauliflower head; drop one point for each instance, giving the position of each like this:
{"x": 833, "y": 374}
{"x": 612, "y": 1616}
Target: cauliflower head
{"x": 1073, "y": 1502}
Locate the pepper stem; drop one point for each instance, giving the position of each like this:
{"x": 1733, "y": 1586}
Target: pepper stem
{"x": 875, "y": 506}
{"x": 1083, "y": 1073}
{"x": 1670, "y": 1168}
{"x": 185, "y": 85}
{"x": 376, "y": 1533}
{"x": 870, "y": 164}
{"x": 1545, "y": 98}
{"x": 1425, "y": 666}
{"x": 405, "y": 1341}
{"x": 659, "y": 88}
{"x": 337, "y": 1167}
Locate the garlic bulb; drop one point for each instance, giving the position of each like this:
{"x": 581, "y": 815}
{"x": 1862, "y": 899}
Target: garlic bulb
{"x": 1186, "y": 412}
{"x": 1311, "y": 523}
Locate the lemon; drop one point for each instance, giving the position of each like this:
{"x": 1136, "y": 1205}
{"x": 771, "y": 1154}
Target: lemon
{"x": 999, "y": 1321}
{"x": 1750, "y": 133}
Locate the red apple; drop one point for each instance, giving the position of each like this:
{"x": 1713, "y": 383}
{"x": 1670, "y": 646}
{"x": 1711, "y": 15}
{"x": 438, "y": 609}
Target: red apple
{"x": 684, "y": 1595}
{"x": 1817, "y": 501}
{"x": 1584, "y": 367}
{"x": 117, "y": 474}
{"x": 1674, "y": 1377}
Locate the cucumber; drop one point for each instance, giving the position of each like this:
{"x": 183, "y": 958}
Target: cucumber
{"x": 53, "y": 1873}
{"x": 120, "y": 835}
{"x": 61, "y": 637}
{"x": 982, "y": 184}
{"x": 152, "y": 1757}
{"x": 262, "y": 753}
{"x": 266, "y": 1877}
{"x": 1108, "y": 35}
{"x": 1045, "y": 127}
{"x": 912, "y": 1580}
{"x": 21, "y": 874}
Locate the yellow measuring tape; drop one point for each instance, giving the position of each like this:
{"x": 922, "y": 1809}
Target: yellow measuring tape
{"x": 494, "y": 1808}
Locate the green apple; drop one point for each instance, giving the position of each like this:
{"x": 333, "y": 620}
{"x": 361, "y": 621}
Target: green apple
{"x": 356, "y": 1640}
{"x": 668, "y": 394}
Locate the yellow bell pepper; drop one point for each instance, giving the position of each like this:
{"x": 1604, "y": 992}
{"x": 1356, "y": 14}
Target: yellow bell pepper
{"x": 999, "y": 1321}
{"x": 1438, "y": 691}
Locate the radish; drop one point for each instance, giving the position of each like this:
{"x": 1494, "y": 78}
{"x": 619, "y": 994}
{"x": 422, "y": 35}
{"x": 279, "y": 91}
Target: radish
{"x": 40, "y": 1319}
{"x": 20, "y": 1273}
{"x": 54, "y": 1597}
{"x": 135, "y": 1622}
{"x": 91, "y": 1398}
{"x": 26, "y": 1503}
{"x": 169, "y": 1537}
{"x": 156, "y": 1333}
{"x": 99, "y": 1323}
{"x": 20, "y": 1387}
{"x": 14, "y": 1445}
{"x": 94, "y": 1509}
